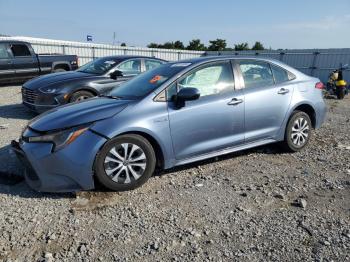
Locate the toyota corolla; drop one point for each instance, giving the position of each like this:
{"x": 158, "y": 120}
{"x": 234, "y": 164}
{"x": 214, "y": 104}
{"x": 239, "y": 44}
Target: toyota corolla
{"x": 177, "y": 113}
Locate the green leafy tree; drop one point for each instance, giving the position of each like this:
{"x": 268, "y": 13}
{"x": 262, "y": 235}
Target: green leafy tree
{"x": 241, "y": 47}
{"x": 123, "y": 44}
{"x": 217, "y": 45}
{"x": 167, "y": 45}
{"x": 153, "y": 45}
{"x": 258, "y": 46}
{"x": 179, "y": 45}
{"x": 196, "y": 44}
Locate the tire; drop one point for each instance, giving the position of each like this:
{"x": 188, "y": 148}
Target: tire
{"x": 59, "y": 70}
{"x": 118, "y": 173}
{"x": 340, "y": 93}
{"x": 295, "y": 138}
{"x": 80, "y": 95}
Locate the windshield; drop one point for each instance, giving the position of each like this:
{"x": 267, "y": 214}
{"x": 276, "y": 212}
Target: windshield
{"x": 99, "y": 66}
{"x": 147, "y": 82}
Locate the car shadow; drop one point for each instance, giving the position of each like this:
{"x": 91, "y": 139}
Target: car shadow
{"x": 12, "y": 181}
{"x": 16, "y": 111}
{"x": 270, "y": 149}
{"x": 14, "y": 84}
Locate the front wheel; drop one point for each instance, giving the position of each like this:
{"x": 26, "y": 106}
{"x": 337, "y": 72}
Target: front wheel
{"x": 298, "y": 131}
{"x": 80, "y": 95}
{"x": 125, "y": 163}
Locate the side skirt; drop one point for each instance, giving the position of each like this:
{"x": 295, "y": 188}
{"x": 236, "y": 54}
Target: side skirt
{"x": 224, "y": 151}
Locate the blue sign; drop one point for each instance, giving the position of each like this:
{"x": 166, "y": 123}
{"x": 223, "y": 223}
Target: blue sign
{"x": 89, "y": 38}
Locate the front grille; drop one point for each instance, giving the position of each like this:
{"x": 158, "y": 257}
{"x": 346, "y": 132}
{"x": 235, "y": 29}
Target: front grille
{"x": 28, "y": 95}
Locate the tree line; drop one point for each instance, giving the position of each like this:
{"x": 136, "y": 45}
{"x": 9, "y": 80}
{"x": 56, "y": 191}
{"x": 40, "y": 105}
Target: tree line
{"x": 214, "y": 45}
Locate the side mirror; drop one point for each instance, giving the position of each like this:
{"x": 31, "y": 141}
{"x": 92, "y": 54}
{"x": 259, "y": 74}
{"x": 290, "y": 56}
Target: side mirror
{"x": 115, "y": 74}
{"x": 186, "y": 94}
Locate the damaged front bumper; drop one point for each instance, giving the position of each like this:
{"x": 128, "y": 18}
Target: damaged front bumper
{"x": 67, "y": 170}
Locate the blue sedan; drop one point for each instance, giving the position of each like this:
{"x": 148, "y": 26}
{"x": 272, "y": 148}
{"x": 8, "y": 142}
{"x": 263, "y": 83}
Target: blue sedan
{"x": 177, "y": 113}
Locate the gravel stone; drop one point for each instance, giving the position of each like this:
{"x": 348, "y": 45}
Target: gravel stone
{"x": 237, "y": 214}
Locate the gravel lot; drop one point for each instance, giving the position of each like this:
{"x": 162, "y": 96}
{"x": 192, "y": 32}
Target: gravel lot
{"x": 257, "y": 205}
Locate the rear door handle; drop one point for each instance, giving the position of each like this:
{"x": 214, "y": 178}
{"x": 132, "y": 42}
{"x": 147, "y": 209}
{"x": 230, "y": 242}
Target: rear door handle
{"x": 235, "y": 101}
{"x": 283, "y": 91}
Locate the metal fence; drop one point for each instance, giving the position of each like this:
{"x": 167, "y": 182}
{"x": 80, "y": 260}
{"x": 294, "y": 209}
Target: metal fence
{"x": 314, "y": 62}
{"x": 88, "y": 51}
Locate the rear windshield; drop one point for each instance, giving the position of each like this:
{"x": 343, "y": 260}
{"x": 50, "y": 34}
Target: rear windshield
{"x": 99, "y": 66}
{"x": 147, "y": 82}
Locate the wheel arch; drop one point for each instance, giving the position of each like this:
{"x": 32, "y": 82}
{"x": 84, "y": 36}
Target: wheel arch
{"x": 158, "y": 150}
{"x": 156, "y": 146}
{"x": 308, "y": 109}
{"x": 63, "y": 65}
{"x": 302, "y": 106}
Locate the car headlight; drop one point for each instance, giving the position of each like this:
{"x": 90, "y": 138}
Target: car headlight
{"x": 60, "y": 139}
{"x": 48, "y": 90}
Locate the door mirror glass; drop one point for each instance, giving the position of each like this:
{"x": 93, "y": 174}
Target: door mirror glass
{"x": 115, "y": 74}
{"x": 186, "y": 94}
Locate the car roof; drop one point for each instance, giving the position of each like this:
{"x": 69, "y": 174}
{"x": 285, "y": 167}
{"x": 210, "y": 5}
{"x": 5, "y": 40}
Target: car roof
{"x": 124, "y": 57}
{"x": 14, "y": 42}
{"x": 205, "y": 59}
{"x": 225, "y": 57}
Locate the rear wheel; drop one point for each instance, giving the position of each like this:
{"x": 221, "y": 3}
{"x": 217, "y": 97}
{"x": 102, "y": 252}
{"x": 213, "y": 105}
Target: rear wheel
{"x": 58, "y": 70}
{"x": 125, "y": 163}
{"x": 340, "y": 93}
{"x": 298, "y": 131}
{"x": 80, "y": 95}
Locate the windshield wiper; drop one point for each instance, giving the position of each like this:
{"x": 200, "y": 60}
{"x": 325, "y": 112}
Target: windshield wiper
{"x": 110, "y": 96}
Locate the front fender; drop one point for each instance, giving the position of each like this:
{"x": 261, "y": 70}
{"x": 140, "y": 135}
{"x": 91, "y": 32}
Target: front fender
{"x": 153, "y": 122}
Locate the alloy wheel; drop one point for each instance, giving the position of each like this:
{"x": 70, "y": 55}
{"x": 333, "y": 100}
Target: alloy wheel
{"x": 80, "y": 98}
{"x": 125, "y": 163}
{"x": 300, "y": 132}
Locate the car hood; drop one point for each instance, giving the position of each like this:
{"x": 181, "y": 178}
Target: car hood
{"x": 57, "y": 79}
{"x": 76, "y": 114}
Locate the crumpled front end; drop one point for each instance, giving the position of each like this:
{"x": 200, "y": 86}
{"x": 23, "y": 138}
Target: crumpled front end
{"x": 66, "y": 170}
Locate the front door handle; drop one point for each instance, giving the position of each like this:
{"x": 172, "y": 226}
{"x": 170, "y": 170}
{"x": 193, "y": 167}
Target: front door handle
{"x": 283, "y": 91}
{"x": 235, "y": 101}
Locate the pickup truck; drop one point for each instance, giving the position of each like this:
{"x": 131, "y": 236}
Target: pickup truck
{"x": 18, "y": 62}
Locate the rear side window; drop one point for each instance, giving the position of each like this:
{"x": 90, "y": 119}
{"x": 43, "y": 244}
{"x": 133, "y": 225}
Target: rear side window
{"x": 150, "y": 64}
{"x": 280, "y": 74}
{"x": 20, "y": 50}
{"x": 256, "y": 74}
{"x": 3, "y": 52}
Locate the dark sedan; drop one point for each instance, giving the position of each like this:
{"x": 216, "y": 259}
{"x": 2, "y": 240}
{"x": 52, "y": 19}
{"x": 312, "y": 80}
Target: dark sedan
{"x": 92, "y": 79}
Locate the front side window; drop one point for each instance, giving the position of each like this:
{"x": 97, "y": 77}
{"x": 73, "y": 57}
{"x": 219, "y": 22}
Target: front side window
{"x": 99, "y": 66}
{"x": 3, "y": 52}
{"x": 130, "y": 67}
{"x": 280, "y": 74}
{"x": 20, "y": 50}
{"x": 150, "y": 64}
{"x": 256, "y": 74}
{"x": 213, "y": 79}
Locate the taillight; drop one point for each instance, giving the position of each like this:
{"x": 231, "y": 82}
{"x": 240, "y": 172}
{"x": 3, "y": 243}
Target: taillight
{"x": 319, "y": 85}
